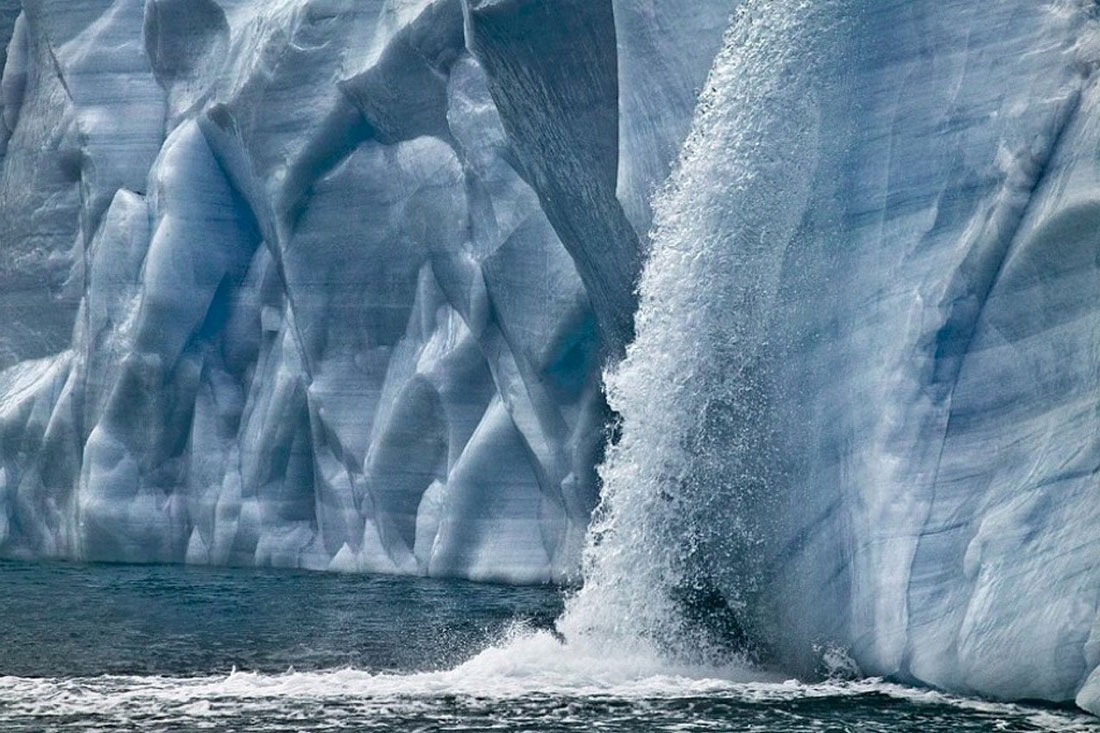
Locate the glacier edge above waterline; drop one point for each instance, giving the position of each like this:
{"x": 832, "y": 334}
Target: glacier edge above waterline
{"x": 333, "y": 285}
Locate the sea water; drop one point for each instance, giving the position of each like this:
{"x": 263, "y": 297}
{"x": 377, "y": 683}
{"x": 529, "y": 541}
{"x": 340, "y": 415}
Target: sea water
{"x": 150, "y": 648}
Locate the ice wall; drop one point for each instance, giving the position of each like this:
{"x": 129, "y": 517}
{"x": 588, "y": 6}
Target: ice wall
{"x": 323, "y": 283}
{"x": 861, "y": 409}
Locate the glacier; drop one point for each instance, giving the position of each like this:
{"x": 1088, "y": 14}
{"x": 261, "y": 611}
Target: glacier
{"x": 400, "y": 286}
{"x": 321, "y": 284}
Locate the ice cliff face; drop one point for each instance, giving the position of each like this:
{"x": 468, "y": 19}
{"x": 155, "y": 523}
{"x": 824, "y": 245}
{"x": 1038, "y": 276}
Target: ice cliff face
{"x": 330, "y": 284}
{"x": 324, "y": 283}
{"x": 862, "y": 405}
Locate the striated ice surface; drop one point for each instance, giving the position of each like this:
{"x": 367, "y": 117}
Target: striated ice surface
{"x": 333, "y": 284}
{"x": 322, "y": 283}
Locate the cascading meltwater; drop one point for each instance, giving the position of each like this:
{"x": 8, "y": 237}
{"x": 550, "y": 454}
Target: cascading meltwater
{"x": 677, "y": 552}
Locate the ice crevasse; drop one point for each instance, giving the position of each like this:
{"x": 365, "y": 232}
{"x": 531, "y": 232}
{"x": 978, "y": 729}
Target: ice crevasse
{"x": 333, "y": 284}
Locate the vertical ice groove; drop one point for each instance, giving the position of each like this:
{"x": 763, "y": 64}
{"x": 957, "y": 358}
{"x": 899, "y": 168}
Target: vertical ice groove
{"x": 13, "y": 68}
{"x": 552, "y": 70}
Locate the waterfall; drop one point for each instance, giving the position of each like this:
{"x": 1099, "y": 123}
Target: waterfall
{"x": 674, "y": 554}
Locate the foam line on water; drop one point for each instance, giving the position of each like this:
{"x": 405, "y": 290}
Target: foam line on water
{"x": 529, "y": 664}
{"x": 533, "y": 667}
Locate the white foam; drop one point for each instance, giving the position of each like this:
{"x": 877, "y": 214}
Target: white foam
{"x": 528, "y": 666}
{"x": 501, "y": 674}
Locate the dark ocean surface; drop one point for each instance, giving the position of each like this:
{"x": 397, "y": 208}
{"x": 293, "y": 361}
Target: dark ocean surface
{"x": 149, "y": 648}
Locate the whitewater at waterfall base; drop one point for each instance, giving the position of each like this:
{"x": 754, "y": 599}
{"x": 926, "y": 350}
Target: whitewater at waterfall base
{"x": 152, "y": 648}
